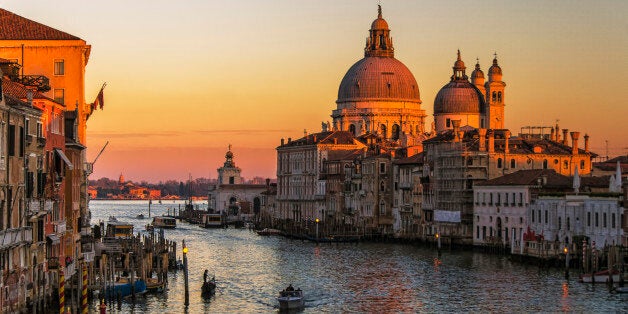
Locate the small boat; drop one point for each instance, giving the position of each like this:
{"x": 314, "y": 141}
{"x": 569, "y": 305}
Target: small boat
{"x": 154, "y": 285}
{"x": 291, "y": 299}
{"x": 209, "y": 286}
{"x": 179, "y": 264}
{"x": 164, "y": 222}
{"x": 122, "y": 288}
{"x": 601, "y": 276}
{"x": 213, "y": 221}
{"x": 140, "y": 216}
{"x": 268, "y": 232}
{"x": 621, "y": 289}
{"x": 113, "y": 218}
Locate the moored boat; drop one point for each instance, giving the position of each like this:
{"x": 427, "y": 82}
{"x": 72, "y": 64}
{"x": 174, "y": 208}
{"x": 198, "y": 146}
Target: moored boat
{"x": 154, "y": 285}
{"x": 602, "y": 276}
{"x": 290, "y": 299}
{"x": 268, "y": 231}
{"x": 122, "y": 288}
{"x": 213, "y": 221}
{"x": 164, "y": 222}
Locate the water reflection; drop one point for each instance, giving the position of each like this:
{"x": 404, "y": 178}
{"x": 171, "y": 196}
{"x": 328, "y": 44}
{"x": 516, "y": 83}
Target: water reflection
{"x": 377, "y": 277}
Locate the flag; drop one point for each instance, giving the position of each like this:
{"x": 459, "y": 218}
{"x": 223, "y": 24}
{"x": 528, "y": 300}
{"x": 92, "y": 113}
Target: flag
{"x": 99, "y": 102}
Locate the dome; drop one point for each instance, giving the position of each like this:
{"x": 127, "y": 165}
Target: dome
{"x": 378, "y": 78}
{"x": 477, "y": 73}
{"x": 495, "y": 72}
{"x": 459, "y": 97}
{"x": 379, "y": 23}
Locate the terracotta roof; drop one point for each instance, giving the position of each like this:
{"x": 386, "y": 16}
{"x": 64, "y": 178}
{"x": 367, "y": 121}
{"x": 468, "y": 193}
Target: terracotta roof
{"x": 18, "y": 90}
{"x": 15, "y": 27}
{"x": 415, "y": 159}
{"x": 334, "y": 137}
{"x": 12, "y": 101}
{"x": 597, "y": 182}
{"x": 344, "y": 154}
{"x": 621, "y": 159}
{"x": 530, "y": 177}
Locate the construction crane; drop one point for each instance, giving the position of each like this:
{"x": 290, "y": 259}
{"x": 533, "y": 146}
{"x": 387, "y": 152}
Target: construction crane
{"x": 89, "y": 169}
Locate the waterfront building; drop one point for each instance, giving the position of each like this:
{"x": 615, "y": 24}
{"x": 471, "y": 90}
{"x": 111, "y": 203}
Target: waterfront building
{"x": 231, "y": 195}
{"x": 408, "y": 197}
{"x": 462, "y": 157}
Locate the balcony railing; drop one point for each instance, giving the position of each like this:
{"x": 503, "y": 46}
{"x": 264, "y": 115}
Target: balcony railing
{"x": 40, "y": 82}
{"x": 15, "y": 237}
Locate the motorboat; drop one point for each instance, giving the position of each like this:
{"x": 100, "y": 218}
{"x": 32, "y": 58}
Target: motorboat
{"x": 164, "y": 222}
{"x": 602, "y": 276}
{"x": 213, "y": 221}
{"x": 290, "y": 298}
{"x": 122, "y": 288}
{"x": 140, "y": 216}
{"x": 113, "y": 218}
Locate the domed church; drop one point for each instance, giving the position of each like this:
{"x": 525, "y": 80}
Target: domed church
{"x": 476, "y": 104}
{"x": 379, "y": 95}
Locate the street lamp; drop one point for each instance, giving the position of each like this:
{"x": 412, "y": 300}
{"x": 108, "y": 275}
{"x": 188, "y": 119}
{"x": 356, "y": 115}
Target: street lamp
{"x": 437, "y": 236}
{"x": 566, "y": 251}
{"x": 317, "y": 220}
{"x": 185, "y": 273}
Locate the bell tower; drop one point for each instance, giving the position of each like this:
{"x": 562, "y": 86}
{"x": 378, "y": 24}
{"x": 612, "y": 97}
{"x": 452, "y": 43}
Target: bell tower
{"x": 495, "y": 97}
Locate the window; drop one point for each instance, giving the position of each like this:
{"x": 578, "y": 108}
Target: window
{"x": 382, "y": 167}
{"x": 512, "y": 163}
{"x": 59, "y": 67}
{"x": 499, "y": 163}
{"x": 59, "y": 95}
{"x": 581, "y": 164}
{"x": 382, "y": 207}
{"x": 39, "y": 130}
{"x": 448, "y": 122}
{"x": 565, "y": 164}
{"x": 499, "y": 96}
{"x": 613, "y": 220}
{"x": 11, "y": 141}
{"x": 494, "y": 96}
{"x": 604, "y": 220}
{"x": 588, "y": 219}
{"x": 499, "y": 198}
{"x": 596, "y": 219}
{"x": 568, "y": 224}
{"x": 544, "y": 163}
{"x": 477, "y": 232}
{"x": 545, "y": 216}
{"x": 559, "y": 223}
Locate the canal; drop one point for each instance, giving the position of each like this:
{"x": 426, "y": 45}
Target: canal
{"x": 359, "y": 277}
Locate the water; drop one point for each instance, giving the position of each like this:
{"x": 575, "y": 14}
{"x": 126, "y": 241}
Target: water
{"x": 364, "y": 277}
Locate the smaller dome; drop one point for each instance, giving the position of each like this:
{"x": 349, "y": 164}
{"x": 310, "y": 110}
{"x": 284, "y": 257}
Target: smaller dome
{"x": 459, "y": 97}
{"x": 495, "y": 71}
{"x": 379, "y": 23}
{"x": 477, "y": 73}
{"x": 229, "y": 155}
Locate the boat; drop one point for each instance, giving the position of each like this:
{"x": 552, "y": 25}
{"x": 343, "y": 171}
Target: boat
{"x": 154, "y": 285}
{"x": 149, "y": 227}
{"x": 213, "y": 221}
{"x": 601, "y": 276}
{"x": 113, "y": 218}
{"x": 164, "y": 222}
{"x": 290, "y": 299}
{"x": 122, "y": 288}
{"x": 209, "y": 286}
{"x": 179, "y": 264}
{"x": 119, "y": 229}
{"x": 621, "y": 289}
{"x": 268, "y": 232}
{"x": 140, "y": 216}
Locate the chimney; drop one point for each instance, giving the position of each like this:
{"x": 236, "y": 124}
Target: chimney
{"x": 289, "y": 140}
{"x": 491, "y": 141}
{"x": 282, "y": 141}
{"x": 456, "y": 125}
{"x": 552, "y": 135}
{"x": 29, "y": 97}
{"x": 506, "y": 141}
{"x": 586, "y": 143}
{"x": 565, "y": 131}
{"x": 482, "y": 133}
{"x": 574, "y": 142}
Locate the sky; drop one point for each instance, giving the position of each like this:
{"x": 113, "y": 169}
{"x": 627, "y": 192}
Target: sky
{"x": 187, "y": 78}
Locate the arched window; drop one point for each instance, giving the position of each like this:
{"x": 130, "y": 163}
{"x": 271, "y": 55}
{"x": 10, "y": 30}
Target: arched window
{"x": 382, "y": 186}
{"x": 559, "y": 223}
{"x": 565, "y": 164}
{"x": 581, "y": 164}
{"x": 544, "y": 163}
{"x": 494, "y": 96}
{"x": 499, "y": 96}
{"x": 499, "y": 163}
{"x": 382, "y": 207}
{"x": 383, "y": 131}
{"x": 256, "y": 205}
{"x": 352, "y": 129}
{"x": 512, "y": 163}
{"x": 395, "y": 132}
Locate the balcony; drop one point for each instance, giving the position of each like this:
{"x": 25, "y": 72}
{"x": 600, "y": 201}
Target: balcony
{"x": 15, "y": 237}
{"x": 40, "y": 82}
{"x": 53, "y": 263}
{"x": 41, "y": 141}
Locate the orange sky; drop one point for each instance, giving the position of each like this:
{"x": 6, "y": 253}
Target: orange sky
{"x": 185, "y": 80}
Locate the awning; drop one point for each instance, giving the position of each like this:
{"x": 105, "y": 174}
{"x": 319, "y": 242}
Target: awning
{"x": 53, "y": 238}
{"x": 65, "y": 158}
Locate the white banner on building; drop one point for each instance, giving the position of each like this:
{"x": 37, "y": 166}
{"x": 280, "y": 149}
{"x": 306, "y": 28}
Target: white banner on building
{"x": 446, "y": 216}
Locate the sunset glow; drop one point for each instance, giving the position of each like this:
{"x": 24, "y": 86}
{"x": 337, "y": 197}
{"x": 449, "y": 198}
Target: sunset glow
{"x": 186, "y": 79}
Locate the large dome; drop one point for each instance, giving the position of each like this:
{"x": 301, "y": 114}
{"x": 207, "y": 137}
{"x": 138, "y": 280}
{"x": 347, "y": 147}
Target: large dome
{"x": 378, "y": 78}
{"x": 459, "y": 97}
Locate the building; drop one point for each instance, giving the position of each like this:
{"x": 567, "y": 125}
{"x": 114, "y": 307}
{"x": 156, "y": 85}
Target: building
{"x": 231, "y": 196}
{"x": 408, "y": 196}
